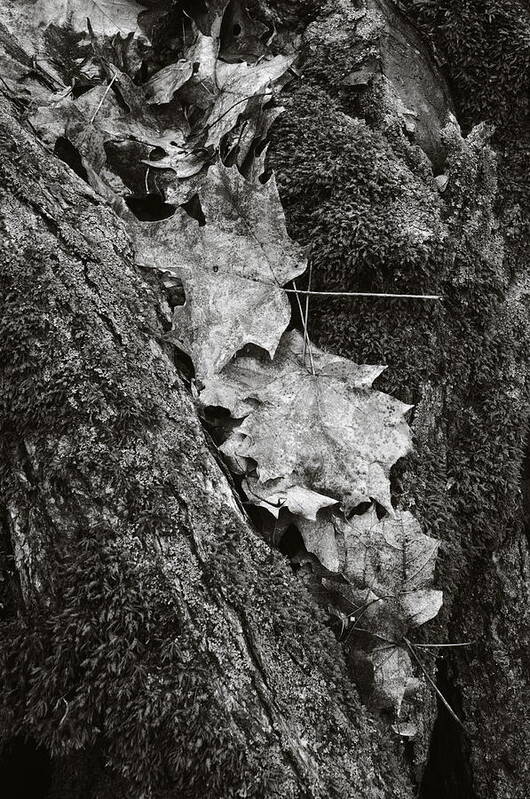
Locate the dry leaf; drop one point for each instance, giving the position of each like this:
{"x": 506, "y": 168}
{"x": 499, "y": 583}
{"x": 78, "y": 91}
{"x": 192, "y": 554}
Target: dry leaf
{"x": 161, "y": 87}
{"x": 327, "y": 432}
{"x": 392, "y": 669}
{"x": 407, "y": 729}
{"x": 250, "y": 138}
{"x": 277, "y": 495}
{"x": 232, "y": 268}
{"x": 389, "y": 565}
{"x": 196, "y": 72}
{"x": 394, "y": 560}
{"x": 107, "y": 17}
{"x": 239, "y": 83}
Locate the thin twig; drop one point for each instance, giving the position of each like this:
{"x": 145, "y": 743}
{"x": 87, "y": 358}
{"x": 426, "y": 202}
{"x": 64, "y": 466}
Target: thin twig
{"x": 107, "y": 90}
{"x": 307, "y": 305}
{"x": 436, "y": 646}
{"x": 431, "y": 681}
{"x": 306, "y": 335}
{"x": 364, "y": 294}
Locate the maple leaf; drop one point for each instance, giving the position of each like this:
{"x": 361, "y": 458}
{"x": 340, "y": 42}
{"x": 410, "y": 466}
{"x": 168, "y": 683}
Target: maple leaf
{"x": 389, "y": 565}
{"x": 239, "y": 83}
{"x": 97, "y": 117}
{"x": 392, "y": 672}
{"x": 107, "y": 17}
{"x": 232, "y": 268}
{"x": 278, "y": 494}
{"x": 327, "y": 432}
{"x": 395, "y": 561}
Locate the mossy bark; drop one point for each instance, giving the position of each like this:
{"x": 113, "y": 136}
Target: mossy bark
{"x": 150, "y": 641}
{"x": 357, "y": 173}
{"x": 146, "y": 628}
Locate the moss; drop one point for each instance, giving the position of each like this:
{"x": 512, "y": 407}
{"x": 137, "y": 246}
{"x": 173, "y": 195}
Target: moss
{"x": 357, "y": 197}
{"x": 463, "y": 361}
{"x": 368, "y": 219}
{"x": 157, "y": 632}
{"x": 108, "y": 660}
{"x": 484, "y": 47}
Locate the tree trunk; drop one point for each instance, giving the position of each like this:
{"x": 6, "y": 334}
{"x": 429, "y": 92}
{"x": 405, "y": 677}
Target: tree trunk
{"x": 463, "y": 362}
{"x": 151, "y": 643}
{"x": 145, "y": 624}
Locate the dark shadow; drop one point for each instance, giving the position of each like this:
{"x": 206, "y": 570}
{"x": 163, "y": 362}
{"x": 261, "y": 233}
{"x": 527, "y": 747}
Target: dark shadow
{"x": 291, "y": 542}
{"x": 448, "y": 771}
{"x": 194, "y": 209}
{"x": 25, "y": 770}
{"x": 150, "y": 207}
{"x": 65, "y": 150}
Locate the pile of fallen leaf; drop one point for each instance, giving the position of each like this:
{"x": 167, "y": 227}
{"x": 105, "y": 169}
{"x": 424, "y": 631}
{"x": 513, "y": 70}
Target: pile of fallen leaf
{"x": 184, "y": 131}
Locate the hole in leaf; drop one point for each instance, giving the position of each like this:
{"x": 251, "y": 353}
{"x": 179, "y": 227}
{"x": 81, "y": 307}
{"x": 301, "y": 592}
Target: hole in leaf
{"x": 157, "y": 154}
{"x": 150, "y": 208}
{"x": 194, "y": 209}
{"x": 65, "y": 150}
{"x": 175, "y": 295}
{"x": 236, "y": 30}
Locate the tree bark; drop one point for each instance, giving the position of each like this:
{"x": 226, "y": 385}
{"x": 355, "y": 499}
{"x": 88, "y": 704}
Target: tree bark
{"x": 145, "y": 624}
{"x": 151, "y": 643}
{"x": 462, "y": 363}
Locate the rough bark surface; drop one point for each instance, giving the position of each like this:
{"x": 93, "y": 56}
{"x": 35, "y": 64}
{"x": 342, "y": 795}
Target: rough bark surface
{"x": 102, "y": 451}
{"x": 151, "y": 643}
{"x": 463, "y": 363}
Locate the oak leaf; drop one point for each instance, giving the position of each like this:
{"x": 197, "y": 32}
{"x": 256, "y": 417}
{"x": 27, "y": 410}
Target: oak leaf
{"x": 107, "y": 17}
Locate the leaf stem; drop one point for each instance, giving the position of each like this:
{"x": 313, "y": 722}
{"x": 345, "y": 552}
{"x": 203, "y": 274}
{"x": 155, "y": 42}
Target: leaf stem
{"x": 436, "y": 646}
{"x": 306, "y": 334}
{"x": 307, "y": 296}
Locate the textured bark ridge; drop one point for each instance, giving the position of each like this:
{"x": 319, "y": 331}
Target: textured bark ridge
{"x": 358, "y": 147}
{"x": 149, "y": 625}
{"x": 151, "y": 644}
